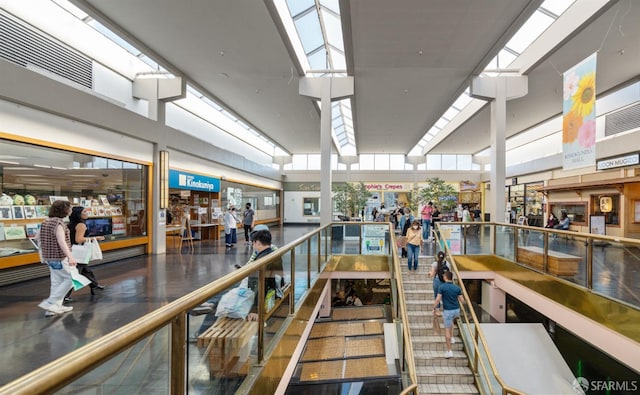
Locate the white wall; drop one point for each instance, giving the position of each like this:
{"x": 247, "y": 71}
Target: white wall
{"x": 293, "y": 207}
{"x": 33, "y": 124}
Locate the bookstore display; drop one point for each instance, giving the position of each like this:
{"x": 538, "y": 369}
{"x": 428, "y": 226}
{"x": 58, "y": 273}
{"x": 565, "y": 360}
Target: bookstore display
{"x": 112, "y": 190}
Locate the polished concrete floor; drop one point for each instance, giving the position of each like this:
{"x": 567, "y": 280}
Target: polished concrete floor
{"x": 134, "y": 287}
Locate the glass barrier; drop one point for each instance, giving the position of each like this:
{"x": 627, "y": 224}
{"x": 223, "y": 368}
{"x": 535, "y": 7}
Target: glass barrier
{"x": 218, "y": 338}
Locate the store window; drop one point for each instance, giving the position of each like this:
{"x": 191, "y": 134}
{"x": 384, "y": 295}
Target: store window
{"x": 311, "y": 206}
{"x": 32, "y": 177}
{"x": 577, "y": 212}
{"x": 607, "y": 206}
{"x": 265, "y": 202}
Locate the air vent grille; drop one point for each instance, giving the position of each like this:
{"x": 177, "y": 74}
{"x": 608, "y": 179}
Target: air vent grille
{"x": 623, "y": 120}
{"x": 24, "y": 45}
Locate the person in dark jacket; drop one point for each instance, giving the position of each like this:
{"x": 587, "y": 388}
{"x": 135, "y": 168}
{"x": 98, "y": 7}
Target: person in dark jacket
{"x": 79, "y": 234}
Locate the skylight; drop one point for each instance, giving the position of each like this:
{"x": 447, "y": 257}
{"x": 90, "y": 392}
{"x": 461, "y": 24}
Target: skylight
{"x": 539, "y": 21}
{"x": 318, "y": 42}
{"x": 212, "y": 111}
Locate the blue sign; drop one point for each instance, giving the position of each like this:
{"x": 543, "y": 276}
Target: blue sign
{"x": 194, "y": 182}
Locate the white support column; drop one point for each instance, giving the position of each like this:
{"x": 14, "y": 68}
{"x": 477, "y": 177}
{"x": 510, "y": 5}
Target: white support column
{"x": 158, "y": 90}
{"x": 326, "y": 89}
{"x": 498, "y": 89}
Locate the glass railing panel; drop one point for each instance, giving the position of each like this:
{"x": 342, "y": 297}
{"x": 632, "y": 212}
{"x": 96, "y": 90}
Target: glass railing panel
{"x": 314, "y": 257}
{"x": 141, "y": 368}
{"x": 452, "y": 233}
{"x": 302, "y": 270}
{"x": 613, "y": 265}
{"x": 478, "y": 239}
{"x": 568, "y": 258}
{"x": 486, "y": 377}
{"x": 504, "y": 242}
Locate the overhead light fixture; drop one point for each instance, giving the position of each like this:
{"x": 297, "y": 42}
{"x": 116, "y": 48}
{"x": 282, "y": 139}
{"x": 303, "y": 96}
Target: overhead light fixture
{"x": 9, "y": 162}
{"x": 164, "y": 179}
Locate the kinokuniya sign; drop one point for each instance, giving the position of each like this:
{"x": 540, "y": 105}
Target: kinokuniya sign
{"x": 620, "y": 161}
{"x": 194, "y": 182}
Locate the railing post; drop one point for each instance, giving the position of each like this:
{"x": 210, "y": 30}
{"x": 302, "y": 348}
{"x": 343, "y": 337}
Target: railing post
{"x": 589, "y": 263}
{"x": 545, "y": 253}
{"x": 516, "y": 233}
{"x": 309, "y": 264}
{"x": 261, "y": 313}
{"x": 292, "y": 287}
{"x": 463, "y": 230}
{"x": 178, "y": 354}
{"x": 319, "y": 249}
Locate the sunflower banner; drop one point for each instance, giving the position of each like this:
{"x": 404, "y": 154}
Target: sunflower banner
{"x": 579, "y": 115}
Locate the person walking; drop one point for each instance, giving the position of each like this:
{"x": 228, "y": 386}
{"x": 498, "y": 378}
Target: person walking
{"x": 230, "y": 227}
{"x": 438, "y": 268}
{"x": 426, "y": 214}
{"x": 248, "y": 222}
{"x": 414, "y": 241}
{"x": 55, "y": 250}
{"x": 451, "y": 297}
{"x": 79, "y": 234}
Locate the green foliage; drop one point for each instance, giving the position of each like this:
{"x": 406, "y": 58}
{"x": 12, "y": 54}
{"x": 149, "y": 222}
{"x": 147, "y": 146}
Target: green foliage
{"x": 350, "y": 197}
{"x": 439, "y": 192}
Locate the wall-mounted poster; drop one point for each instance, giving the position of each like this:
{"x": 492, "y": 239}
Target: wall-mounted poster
{"x": 597, "y": 225}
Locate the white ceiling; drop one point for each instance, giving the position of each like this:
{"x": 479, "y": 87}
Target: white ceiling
{"x": 234, "y": 51}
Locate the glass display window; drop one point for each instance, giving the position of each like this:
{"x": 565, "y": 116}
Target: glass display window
{"x": 577, "y": 212}
{"x": 265, "y": 202}
{"x": 608, "y": 206}
{"x": 32, "y": 177}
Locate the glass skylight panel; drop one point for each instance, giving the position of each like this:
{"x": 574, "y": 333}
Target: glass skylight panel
{"x": 299, "y": 161}
{"x": 333, "y": 29}
{"x": 530, "y": 31}
{"x": 462, "y": 101}
{"x": 464, "y": 162}
{"x": 333, "y": 5}
{"x": 381, "y": 161}
{"x": 298, "y": 6}
{"x": 309, "y": 31}
{"x": 450, "y": 113}
{"x": 557, "y": 7}
{"x": 396, "y": 162}
{"x": 313, "y": 162}
{"x": 505, "y": 57}
{"x": 318, "y": 60}
{"x": 366, "y": 162}
{"x": 441, "y": 123}
{"x": 449, "y": 162}
{"x": 338, "y": 59}
{"x": 434, "y": 162}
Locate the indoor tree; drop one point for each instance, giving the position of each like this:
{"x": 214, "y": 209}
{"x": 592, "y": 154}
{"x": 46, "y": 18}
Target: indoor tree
{"x": 350, "y": 197}
{"x": 439, "y": 192}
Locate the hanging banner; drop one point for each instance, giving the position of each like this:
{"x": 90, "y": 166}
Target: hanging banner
{"x": 579, "y": 115}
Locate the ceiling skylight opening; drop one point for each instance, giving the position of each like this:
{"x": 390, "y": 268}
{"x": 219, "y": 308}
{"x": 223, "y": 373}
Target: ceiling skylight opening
{"x": 539, "y": 21}
{"x": 314, "y": 29}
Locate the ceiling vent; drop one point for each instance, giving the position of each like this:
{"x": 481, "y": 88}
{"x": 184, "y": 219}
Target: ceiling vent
{"x": 28, "y": 47}
{"x": 623, "y": 120}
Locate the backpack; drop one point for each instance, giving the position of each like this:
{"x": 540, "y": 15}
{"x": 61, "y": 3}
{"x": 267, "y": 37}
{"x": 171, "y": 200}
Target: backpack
{"x": 441, "y": 269}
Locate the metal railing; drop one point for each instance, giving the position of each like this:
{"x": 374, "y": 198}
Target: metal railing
{"x": 484, "y": 368}
{"x": 156, "y": 345}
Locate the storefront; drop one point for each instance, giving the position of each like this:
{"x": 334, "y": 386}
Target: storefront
{"x": 194, "y": 203}
{"x": 33, "y": 176}
{"x": 611, "y": 194}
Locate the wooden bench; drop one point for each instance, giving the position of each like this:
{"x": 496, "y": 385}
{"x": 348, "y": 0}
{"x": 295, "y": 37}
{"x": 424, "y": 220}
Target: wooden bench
{"x": 559, "y": 264}
{"x": 227, "y": 346}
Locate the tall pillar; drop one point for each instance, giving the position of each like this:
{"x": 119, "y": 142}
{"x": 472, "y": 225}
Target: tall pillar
{"x": 498, "y": 89}
{"x": 326, "y": 89}
{"x": 158, "y": 90}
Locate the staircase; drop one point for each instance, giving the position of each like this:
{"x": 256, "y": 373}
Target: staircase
{"x": 436, "y": 374}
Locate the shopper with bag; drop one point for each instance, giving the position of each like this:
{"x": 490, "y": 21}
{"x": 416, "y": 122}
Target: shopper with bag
{"x": 84, "y": 245}
{"x": 55, "y": 250}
